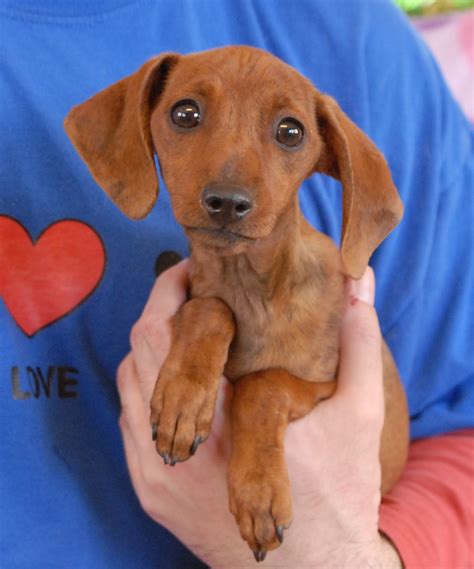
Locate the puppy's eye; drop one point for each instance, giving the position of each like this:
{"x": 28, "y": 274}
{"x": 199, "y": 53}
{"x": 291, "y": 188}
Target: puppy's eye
{"x": 186, "y": 114}
{"x": 290, "y": 132}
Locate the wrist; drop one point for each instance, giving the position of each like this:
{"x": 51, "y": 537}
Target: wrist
{"x": 390, "y": 553}
{"x": 381, "y": 554}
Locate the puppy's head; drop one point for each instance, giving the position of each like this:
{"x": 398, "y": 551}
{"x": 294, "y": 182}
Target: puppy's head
{"x": 236, "y": 131}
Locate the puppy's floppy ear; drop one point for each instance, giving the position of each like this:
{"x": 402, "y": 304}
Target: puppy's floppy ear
{"x": 371, "y": 205}
{"x": 111, "y": 132}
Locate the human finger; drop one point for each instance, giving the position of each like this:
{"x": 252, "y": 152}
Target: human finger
{"x": 360, "y": 376}
{"x": 169, "y": 292}
{"x": 150, "y": 337}
{"x": 135, "y": 410}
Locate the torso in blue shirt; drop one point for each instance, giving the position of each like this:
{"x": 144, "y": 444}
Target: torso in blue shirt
{"x": 68, "y": 302}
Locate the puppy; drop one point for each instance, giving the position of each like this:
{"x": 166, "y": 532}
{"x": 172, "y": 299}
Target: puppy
{"x": 236, "y": 131}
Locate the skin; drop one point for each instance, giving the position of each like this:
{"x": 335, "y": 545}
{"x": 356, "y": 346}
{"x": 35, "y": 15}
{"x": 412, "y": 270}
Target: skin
{"x": 254, "y": 282}
{"x": 336, "y": 488}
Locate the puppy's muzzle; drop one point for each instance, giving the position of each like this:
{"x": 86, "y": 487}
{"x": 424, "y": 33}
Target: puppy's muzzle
{"x": 226, "y": 204}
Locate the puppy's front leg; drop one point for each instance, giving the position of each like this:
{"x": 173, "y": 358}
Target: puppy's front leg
{"x": 259, "y": 490}
{"x": 183, "y": 401}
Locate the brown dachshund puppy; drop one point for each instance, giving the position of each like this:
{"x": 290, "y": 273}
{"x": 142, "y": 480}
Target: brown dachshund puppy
{"x": 236, "y": 131}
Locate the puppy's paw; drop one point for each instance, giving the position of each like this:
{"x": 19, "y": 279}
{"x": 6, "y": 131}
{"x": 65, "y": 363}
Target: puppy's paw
{"x": 260, "y": 499}
{"x": 182, "y": 410}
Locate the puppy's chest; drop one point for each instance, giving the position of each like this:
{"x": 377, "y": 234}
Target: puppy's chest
{"x": 298, "y": 332}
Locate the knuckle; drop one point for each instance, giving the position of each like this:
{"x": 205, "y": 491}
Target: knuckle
{"x": 154, "y": 329}
{"x": 127, "y": 415}
{"x": 136, "y": 334}
{"x": 147, "y": 495}
{"x": 122, "y": 421}
{"x": 122, "y": 373}
{"x": 152, "y": 483}
{"x": 147, "y": 504}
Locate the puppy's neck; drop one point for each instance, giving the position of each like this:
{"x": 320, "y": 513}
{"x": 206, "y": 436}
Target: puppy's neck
{"x": 269, "y": 265}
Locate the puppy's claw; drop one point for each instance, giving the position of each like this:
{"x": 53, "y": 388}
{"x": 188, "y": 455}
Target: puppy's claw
{"x": 174, "y": 460}
{"x": 279, "y": 532}
{"x": 153, "y": 432}
{"x": 259, "y": 555}
{"x": 196, "y": 443}
{"x": 166, "y": 458}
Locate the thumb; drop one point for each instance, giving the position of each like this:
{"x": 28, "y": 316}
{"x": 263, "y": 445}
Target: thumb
{"x": 360, "y": 376}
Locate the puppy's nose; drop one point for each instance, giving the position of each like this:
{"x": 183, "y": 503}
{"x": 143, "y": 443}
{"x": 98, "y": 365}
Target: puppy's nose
{"x": 226, "y": 204}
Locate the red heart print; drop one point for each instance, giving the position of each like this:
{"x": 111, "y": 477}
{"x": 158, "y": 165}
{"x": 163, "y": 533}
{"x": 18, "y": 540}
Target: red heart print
{"x": 43, "y": 281}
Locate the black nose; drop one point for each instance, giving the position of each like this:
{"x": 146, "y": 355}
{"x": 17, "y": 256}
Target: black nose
{"x": 226, "y": 204}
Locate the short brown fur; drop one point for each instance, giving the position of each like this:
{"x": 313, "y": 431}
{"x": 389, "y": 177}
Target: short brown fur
{"x": 267, "y": 291}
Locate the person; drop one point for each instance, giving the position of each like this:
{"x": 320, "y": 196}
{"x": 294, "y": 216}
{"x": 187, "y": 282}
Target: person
{"x": 75, "y": 275}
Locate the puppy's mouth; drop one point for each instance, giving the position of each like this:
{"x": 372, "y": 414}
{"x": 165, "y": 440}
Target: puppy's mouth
{"x": 220, "y": 234}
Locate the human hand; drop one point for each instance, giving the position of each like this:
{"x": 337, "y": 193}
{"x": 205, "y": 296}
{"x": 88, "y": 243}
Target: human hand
{"x": 190, "y": 500}
{"x": 332, "y": 453}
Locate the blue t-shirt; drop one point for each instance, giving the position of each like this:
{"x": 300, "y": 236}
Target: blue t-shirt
{"x": 75, "y": 272}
